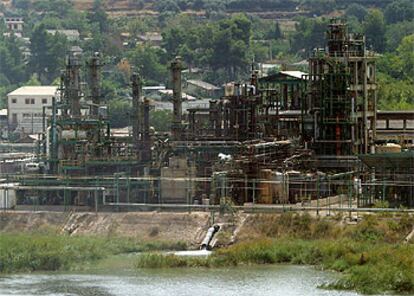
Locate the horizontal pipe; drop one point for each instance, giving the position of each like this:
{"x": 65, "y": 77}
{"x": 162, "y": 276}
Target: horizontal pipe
{"x": 51, "y": 188}
{"x": 262, "y": 208}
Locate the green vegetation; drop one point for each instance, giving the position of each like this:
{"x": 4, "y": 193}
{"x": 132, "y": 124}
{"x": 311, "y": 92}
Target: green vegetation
{"x": 370, "y": 255}
{"x": 222, "y": 46}
{"x": 47, "y": 252}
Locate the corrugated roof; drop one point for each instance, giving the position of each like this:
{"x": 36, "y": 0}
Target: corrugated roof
{"x": 34, "y": 91}
{"x": 295, "y": 74}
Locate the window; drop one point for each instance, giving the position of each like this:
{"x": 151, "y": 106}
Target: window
{"x": 14, "y": 118}
{"x": 14, "y": 101}
{"x": 32, "y": 101}
{"x": 27, "y": 101}
{"x": 44, "y": 101}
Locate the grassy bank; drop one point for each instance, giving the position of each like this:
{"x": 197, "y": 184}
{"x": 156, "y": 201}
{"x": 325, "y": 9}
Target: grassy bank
{"x": 47, "y": 252}
{"x": 370, "y": 255}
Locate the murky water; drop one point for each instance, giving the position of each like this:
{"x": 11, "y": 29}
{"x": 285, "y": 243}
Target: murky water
{"x": 280, "y": 280}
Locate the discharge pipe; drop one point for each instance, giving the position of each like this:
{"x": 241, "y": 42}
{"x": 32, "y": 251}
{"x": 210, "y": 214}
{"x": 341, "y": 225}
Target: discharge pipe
{"x": 205, "y": 245}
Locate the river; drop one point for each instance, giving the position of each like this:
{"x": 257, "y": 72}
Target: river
{"x": 283, "y": 280}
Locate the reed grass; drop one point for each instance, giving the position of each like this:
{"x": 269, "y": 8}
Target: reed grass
{"x": 48, "y": 252}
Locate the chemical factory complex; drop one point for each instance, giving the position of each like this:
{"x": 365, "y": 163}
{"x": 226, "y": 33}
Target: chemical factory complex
{"x": 290, "y": 139}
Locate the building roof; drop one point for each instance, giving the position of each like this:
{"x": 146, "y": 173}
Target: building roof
{"x": 151, "y": 36}
{"x": 294, "y": 74}
{"x": 284, "y": 76}
{"x": 154, "y": 87}
{"x": 203, "y": 84}
{"x": 34, "y": 91}
{"x": 14, "y": 20}
{"x": 71, "y": 34}
{"x": 169, "y": 92}
{"x": 301, "y": 63}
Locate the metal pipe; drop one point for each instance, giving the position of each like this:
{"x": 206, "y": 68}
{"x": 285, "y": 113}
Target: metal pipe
{"x": 205, "y": 244}
{"x": 260, "y": 208}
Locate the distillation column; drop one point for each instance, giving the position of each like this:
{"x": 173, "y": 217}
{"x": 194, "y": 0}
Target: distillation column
{"x": 140, "y": 121}
{"x": 72, "y": 84}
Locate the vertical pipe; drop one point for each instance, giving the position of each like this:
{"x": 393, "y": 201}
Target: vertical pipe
{"x": 94, "y": 66}
{"x": 176, "y": 68}
{"x": 136, "y": 114}
{"x": 53, "y": 141}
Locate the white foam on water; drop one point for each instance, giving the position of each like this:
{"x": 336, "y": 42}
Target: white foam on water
{"x": 194, "y": 253}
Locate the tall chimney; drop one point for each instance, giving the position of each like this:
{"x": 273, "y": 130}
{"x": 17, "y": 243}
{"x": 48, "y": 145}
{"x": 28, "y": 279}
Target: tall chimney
{"x": 176, "y": 68}
{"x": 136, "y": 111}
{"x": 72, "y": 84}
{"x": 94, "y": 73}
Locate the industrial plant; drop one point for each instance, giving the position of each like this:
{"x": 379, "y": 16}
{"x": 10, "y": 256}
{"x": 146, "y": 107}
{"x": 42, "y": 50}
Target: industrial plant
{"x": 289, "y": 139}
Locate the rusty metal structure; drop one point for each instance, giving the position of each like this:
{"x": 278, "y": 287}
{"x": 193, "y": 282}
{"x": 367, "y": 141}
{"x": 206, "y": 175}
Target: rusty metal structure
{"x": 281, "y": 139}
{"x": 342, "y": 95}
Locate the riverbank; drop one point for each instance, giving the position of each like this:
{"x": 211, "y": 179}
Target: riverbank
{"x": 23, "y": 252}
{"x": 370, "y": 255}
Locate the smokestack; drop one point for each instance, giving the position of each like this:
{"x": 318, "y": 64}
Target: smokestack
{"x": 176, "y": 67}
{"x": 136, "y": 111}
{"x": 72, "y": 84}
{"x": 94, "y": 65}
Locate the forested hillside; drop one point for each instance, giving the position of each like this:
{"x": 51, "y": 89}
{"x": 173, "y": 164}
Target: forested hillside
{"x": 222, "y": 39}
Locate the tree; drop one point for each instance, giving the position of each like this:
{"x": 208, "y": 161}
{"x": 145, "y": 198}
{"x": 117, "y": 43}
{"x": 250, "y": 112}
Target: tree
{"x": 374, "y": 29}
{"x": 399, "y": 11}
{"x": 21, "y": 4}
{"x": 231, "y": 44}
{"x": 396, "y": 32}
{"x": 99, "y": 16}
{"x": 357, "y": 11}
{"x": 167, "y": 6}
{"x": 395, "y": 80}
{"x": 146, "y": 60}
{"x": 172, "y": 39}
{"x": 275, "y": 32}
{"x": 12, "y": 67}
{"x": 406, "y": 54}
{"x": 48, "y": 53}
{"x": 33, "y": 81}
{"x": 119, "y": 112}
{"x": 310, "y": 33}
{"x": 160, "y": 120}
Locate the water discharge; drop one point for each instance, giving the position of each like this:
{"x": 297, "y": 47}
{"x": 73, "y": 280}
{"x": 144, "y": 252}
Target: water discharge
{"x": 258, "y": 280}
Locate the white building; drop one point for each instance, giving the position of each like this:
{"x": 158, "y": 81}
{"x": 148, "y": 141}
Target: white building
{"x": 14, "y": 24}
{"x": 25, "y": 107}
